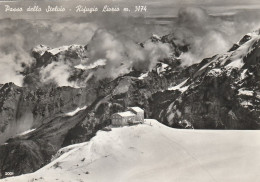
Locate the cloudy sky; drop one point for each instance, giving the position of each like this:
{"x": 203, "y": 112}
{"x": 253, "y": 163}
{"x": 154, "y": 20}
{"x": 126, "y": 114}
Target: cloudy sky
{"x": 214, "y": 7}
{"x": 155, "y": 8}
{"x": 118, "y": 33}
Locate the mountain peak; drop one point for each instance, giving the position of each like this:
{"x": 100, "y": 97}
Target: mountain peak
{"x": 40, "y": 49}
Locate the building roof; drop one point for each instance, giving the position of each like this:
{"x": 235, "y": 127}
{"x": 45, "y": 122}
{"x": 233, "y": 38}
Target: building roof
{"x": 136, "y": 109}
{"x": 126, "y": 114}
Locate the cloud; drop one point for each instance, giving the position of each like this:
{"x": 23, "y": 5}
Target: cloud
{"x": 19, "y": 36}
{"x": 122, "y": 54}
{"x": 114, "y": 38}
{"x": 57, "y": 72}
{"x": 13, "y": 58}
{"x": 203, "y": 34}
{"x": 207, "y": 35}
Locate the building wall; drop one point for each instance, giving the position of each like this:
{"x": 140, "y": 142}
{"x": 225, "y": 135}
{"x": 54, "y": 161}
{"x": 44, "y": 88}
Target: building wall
{"x": 139, "y": 115}
{"x": 129, "y": 119}
{"x": 118, "y": 120}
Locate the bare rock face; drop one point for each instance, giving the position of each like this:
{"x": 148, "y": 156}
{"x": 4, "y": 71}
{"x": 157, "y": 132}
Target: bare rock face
{"x": 24, "y": 156}
{"x": 222, "y": 94}
{"x": 22, "y": 109}
{"x": 45, "y": 111}
{"x": 43, "y": 108}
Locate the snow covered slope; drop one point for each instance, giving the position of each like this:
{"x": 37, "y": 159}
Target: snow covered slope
{"x": 153, "y": 152}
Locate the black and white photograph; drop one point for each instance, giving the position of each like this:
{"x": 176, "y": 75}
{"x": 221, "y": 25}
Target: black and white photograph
{"x": 129, "y": 90}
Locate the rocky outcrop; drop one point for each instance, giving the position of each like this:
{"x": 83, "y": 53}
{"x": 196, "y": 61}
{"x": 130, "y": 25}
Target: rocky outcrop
{"x": 22, "y": 108}
{"x": 27, "y": 153}
{"x": 221, "y": 94}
